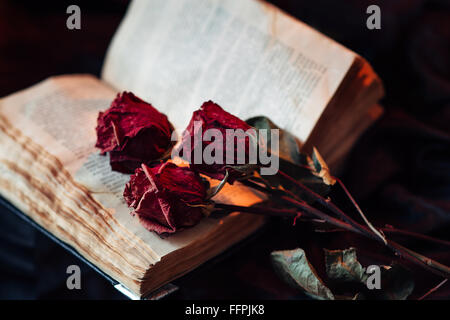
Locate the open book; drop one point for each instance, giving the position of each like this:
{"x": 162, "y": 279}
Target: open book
{"x": 247, "y": 56}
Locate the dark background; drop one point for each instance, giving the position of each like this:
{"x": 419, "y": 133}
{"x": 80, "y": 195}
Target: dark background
{"x": 399, "y": 171}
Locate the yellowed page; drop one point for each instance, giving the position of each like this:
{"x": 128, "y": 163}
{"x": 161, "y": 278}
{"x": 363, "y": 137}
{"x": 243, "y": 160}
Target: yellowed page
{"x": 246, "y": 55}
{"x": 60, "y": 115}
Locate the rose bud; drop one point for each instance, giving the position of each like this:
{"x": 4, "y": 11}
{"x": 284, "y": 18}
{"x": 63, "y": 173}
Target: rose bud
{"x": 133, "y": 132}
{"x": 231, "y": 153}
{"x": 166, "y": 198}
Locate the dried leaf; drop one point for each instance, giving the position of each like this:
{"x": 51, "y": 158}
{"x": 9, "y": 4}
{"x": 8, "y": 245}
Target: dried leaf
{"x": 292, "y": 162}
{"x": 359, "y": 296}
{"x": 294, "y": 268}
{"x": 396, "y": 283}
{"x": 304, "y": 175}
{"x": 289, "y": 146}
{"x": 322, "y": 169}
{"x": 215, "y": 190}
{"x": 343, "y": 266}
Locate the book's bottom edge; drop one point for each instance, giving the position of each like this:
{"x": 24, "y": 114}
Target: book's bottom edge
{"x": 185, "y": 260}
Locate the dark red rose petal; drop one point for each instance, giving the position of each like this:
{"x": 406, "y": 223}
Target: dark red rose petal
{"x": 212, "y": 116}
{"x": 166, "y": 197}
{"x": 134, "y": 132}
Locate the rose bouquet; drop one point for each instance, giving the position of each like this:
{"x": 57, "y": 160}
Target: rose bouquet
{"x": 217, "y": 145}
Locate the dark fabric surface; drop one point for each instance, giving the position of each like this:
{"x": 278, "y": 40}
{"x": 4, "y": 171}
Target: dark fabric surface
{"x": 399, "y": 171}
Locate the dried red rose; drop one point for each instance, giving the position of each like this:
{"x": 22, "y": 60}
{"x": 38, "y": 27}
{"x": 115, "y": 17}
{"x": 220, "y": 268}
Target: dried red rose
{"x": 212, "y": 116}
{"x": 166, "y": 198}
{"x": 133, "y": 132}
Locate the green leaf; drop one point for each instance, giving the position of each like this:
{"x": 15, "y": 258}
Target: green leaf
{"x": 343, "y": 266}
{"x": 294, "y": 268}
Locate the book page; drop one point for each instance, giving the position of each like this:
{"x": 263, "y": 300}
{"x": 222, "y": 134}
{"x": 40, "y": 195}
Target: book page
{"x": 247, "y": 56}
{"x": 60, "y": 115}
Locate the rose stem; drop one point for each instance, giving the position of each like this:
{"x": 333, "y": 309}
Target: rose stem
{"x": 415, "y": 235}
{"x": 363, "y": 216}
{"x": 433, "y": 289}
{"x": 327, "y": 204}
{"x": 392, "y": 230}
{"x": 389, "y": 229}
{"x": 322, "y": 215}
{"x": 424, "y": 261}
{"x": 290, "y": 213}
{"x": 408, "y": 254}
